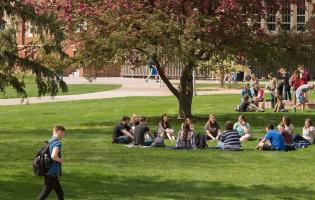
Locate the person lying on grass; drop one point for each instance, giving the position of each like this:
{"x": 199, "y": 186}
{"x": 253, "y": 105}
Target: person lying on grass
{"x": 243, "y": 128}
{"x": 230, "y": 139}
{"x": 142, "y": 135}
{"x": 273, "y": 140}
{"x": 308, "y": 133}
{"x": 300, "y": 96}
{"x": 212, "y": 128}
{"x": 186, "y": 138}
{"x": 165, "y": 128}
{"x": 122, "y": 133}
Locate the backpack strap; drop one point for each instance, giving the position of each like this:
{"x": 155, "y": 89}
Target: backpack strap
{"x": 47, "y": 147}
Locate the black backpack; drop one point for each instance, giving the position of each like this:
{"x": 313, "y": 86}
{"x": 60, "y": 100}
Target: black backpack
{"x": 42, "y": 160}
{"x": 201, "y": 141}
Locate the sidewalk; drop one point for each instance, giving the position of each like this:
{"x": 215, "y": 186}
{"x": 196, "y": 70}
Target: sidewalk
{"x": 131, "y": 87}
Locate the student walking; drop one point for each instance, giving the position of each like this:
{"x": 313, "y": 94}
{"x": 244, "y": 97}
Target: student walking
{"x": 52, "y": 178}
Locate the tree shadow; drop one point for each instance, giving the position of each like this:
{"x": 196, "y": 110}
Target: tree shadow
{"x": 97, "y": 186}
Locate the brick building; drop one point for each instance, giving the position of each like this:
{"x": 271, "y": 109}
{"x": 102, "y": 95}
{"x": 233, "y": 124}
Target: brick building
{"x": 289, "y": 18}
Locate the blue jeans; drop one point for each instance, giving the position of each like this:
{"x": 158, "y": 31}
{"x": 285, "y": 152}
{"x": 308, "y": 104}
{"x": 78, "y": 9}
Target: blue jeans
{"x": 287, "y": 92}
{"x": 220, "y": 145}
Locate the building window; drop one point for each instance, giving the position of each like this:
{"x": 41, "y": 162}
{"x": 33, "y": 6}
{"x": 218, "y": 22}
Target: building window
{"x": 30, "y": 29}
{"x": 271, "y": 16}
{"x": 300, "y": 20}
{"x": 286, "y": 15}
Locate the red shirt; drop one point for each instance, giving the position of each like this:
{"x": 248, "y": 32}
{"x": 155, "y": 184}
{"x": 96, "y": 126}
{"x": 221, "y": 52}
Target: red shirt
{"x": 287, "y": 137}
{"x": 295, "y": 83}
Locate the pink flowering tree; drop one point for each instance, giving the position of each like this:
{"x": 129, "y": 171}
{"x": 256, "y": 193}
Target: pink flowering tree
{"x": 189, "y": 30}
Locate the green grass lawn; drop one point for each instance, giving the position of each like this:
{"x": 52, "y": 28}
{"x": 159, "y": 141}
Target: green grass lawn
{"x": 31, "y": 89}
{"x": 96, "y": 169}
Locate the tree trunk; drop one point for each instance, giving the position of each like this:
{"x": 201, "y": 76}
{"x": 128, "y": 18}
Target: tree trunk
{"x": 222, "y": 80}
{"x": 186, "y": 92}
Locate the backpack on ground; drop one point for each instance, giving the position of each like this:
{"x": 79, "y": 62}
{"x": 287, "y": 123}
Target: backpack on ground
{"x": 42, "y": 160}
{"x": 201, "y": 141}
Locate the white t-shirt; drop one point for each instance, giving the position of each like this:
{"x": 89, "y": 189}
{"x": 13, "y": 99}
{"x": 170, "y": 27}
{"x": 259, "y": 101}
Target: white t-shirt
{"x": 308, "y": 134}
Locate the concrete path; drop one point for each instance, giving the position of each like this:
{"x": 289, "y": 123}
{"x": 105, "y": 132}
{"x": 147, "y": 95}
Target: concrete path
{"x": 130, "y": 87}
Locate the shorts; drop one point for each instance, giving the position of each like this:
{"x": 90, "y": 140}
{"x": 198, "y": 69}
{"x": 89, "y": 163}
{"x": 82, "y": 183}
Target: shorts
{"x": 301, "y": 99}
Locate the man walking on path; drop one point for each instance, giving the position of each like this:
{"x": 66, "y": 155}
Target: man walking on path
{"x": 51, "y": 179}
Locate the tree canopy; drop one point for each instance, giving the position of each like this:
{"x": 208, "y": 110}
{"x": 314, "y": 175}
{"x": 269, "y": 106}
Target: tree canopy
{"x": 47, "y": 46}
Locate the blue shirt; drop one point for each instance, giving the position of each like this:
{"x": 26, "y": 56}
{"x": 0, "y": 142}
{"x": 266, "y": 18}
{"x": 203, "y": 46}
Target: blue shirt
{"x": 276, "y": 140}
{"x": 55, "y": 168}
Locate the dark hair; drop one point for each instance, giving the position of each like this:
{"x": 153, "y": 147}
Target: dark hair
{"x": 270, "y": 127}
{"x": 125, "y": 118}
{"x": 186, "y": 129}
{"x": 246, "y": 97}
{"x": 164, "y": 125}
{"x": 242, "y": 117}
{"x": 286, "y": 120}
{"x": 59, "y": 128}
{"x": 270, "y": 74}
{"x": 142, "y": 119}
{"x": 282, "y": 125}
{"x": 309, "y": 121}
{"x": 228, "y": 125}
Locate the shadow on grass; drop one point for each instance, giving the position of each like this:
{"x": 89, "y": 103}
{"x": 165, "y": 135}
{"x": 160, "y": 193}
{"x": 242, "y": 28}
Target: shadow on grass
{"x": 96, "y": 186}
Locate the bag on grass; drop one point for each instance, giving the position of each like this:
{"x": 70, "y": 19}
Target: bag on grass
{"x": 42, "y": 160}
{"x": 158, "y": 142}
{"x": 201, "y": 141}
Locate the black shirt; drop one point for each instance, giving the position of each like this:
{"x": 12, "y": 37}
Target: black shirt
{"x": 118, "y": 130}
{"x": 244, "y": 106}
{"x": 140, "y": 131}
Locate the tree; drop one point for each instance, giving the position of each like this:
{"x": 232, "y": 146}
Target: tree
{"x": 47, "y": 44}
{"x": 189, "y": 30}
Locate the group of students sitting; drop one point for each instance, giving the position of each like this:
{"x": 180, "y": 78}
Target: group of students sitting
{"x": 135, "y": 132}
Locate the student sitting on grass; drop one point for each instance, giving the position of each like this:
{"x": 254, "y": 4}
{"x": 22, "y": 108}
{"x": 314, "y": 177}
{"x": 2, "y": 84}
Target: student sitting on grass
{"x": 186, "y": 138}
{"x": 273, "y": 140}
{"x": 212, "y": 128}
{"x": 188, "y": 121}
{"x": 286, "y": 136}
{"x": 246, "y": 106}
{"x": 134, "y": 121}
{"x": 243, "y": 128}
{"x": 286, "y": 121}
{"x": 123, "y": 134}
{"x": 258, "y": 94}
{"x": 308, "y": 134}
{"x": 165, "y": 128}
{"x": 230, "y": 139}
{"x": 142, "y": 135}
{"x": 246, "y": 91}
{"x": 300, "y": 96}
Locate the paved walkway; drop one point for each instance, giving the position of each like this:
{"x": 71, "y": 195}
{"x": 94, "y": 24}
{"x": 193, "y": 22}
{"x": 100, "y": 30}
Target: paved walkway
{"x": 130, "y": 87}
